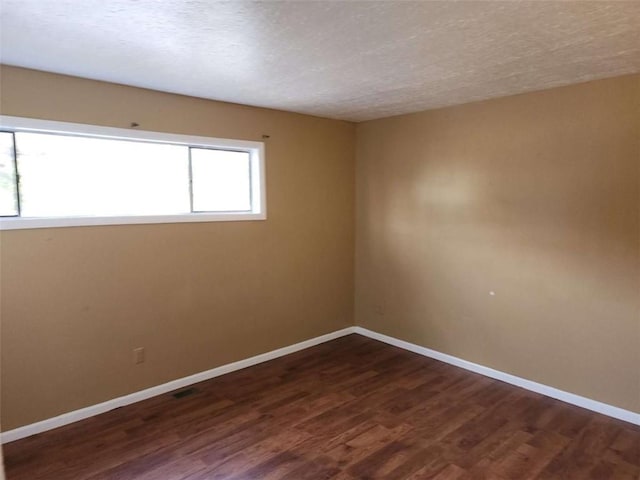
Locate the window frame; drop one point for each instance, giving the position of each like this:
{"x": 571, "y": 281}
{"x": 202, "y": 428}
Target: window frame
{"x": 255, "y": 149}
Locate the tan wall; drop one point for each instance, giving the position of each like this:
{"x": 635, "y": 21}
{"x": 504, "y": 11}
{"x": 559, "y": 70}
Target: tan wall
{"x": 535, "y": 197}
{"x": 76, "y": 301}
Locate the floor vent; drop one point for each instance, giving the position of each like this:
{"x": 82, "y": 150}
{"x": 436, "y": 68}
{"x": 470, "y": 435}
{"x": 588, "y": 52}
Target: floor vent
{"x": 185, "y": 393}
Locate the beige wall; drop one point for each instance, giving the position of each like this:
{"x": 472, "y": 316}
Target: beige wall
{"x": 76, "y": 301}
{"x": 535, "y": 197}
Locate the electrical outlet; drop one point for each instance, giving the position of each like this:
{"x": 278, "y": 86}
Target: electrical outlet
{"x": 138, "y": 355}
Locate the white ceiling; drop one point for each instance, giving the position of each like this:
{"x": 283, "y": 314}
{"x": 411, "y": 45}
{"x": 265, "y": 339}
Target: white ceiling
{"x": 348, "y": 60}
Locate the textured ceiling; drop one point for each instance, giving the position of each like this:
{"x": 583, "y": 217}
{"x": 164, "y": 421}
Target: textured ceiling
{"x": 348, "y": 60}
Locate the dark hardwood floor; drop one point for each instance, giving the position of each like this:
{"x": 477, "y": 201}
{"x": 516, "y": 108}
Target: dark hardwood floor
{"x": 349, "y": 409}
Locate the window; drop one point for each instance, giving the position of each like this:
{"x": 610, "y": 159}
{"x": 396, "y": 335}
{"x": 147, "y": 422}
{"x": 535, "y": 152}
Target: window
{"x": 61, "y": 174}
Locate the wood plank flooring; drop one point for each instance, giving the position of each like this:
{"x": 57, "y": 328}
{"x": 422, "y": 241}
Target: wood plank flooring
{"x": 349, "y": 409}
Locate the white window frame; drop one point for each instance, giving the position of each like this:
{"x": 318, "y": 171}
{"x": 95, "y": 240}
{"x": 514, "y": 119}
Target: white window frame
{"x": 256, "y": 156}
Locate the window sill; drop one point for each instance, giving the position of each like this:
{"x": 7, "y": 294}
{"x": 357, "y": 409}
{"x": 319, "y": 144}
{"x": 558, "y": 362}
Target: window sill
{"x": 57, "y": 222}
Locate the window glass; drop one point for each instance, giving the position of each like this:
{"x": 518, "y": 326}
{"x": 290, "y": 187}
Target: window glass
{"x": 81, "y": 176}
{"x": 221, "y": 180}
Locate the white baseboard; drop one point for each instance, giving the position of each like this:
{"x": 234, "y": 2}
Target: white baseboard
{"x": 573, "y": 399}
{"x": 76, "y": 415}
{"x": 70, "y": 417}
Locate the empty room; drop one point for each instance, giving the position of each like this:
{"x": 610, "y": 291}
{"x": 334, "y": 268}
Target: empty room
{"x": 319, "y": 240}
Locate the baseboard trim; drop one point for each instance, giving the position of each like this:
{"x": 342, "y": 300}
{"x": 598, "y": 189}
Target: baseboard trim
{"x": 573, "y": 399}
{"x": 81, "y": 414}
